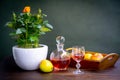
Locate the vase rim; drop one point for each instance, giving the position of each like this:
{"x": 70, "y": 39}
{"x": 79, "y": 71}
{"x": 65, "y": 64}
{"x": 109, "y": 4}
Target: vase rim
{"x": 41, "y": 45}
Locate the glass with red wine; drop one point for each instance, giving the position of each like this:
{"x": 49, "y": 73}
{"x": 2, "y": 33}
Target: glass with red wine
{"x": 78, "y": 53}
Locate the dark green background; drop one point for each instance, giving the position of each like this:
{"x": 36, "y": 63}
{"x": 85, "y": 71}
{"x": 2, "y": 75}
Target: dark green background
{"x": 94, "y": 24}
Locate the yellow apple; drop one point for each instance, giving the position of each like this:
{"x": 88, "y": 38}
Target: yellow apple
{"x": 97, "y": 57}
{"x": 87, "y": 56}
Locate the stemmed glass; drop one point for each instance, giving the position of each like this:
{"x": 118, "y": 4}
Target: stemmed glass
{"x": 78, "y": 53}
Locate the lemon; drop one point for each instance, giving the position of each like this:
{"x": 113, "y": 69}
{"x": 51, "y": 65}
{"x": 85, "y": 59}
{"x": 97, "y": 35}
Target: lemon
{"x": 46, "y": 66}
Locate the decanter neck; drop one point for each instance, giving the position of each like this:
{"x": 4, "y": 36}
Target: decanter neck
{"x": 60, "y": 47}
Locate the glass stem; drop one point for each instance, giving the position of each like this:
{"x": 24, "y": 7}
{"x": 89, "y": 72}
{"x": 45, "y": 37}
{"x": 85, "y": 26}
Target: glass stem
{"x": 78, "y": 66}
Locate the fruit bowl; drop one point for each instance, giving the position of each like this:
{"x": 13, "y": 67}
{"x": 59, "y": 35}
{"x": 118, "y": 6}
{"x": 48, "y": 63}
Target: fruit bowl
{"x": 107, "y": 61}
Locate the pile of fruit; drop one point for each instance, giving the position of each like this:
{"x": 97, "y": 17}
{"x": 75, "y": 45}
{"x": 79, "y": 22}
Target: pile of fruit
{"x": 93, "y": 57}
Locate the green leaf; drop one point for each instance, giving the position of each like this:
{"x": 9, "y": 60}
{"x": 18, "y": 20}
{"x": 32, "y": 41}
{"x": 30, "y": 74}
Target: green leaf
{"x": 14, "y": 16}
{"x": 20, "y": 30}
{"x": 39, "y": 11}
{"x": 45, "y": 22}
{"x": 23, "y": 29}
{"x": 9, "y": 24}
{"x": 44, "y": 29}
{"x": 42, "y": 33}
{"x": 49, "y": 26}
{"x": 12, "y": 34}
{"x": 44, "y": 15}
{"x": 33, "y": 38}
{"x": 39, "y": 26}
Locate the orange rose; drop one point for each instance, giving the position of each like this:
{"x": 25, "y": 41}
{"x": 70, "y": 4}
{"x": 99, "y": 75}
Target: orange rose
{"x": 26, "y": 9}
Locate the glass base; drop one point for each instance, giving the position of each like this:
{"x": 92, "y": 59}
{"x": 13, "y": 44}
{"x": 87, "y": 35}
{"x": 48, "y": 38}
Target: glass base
{"x": 60, "y": 69}
{"x": 78, "y": 72}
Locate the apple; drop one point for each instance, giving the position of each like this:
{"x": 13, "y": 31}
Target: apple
{"x": 87, "y": 56}
{"x": 97, "y": 57}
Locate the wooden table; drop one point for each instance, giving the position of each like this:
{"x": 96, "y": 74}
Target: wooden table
{"x": 9, "y": 71}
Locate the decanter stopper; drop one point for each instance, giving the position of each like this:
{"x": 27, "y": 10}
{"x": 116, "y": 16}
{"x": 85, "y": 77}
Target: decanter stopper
{"x": 60, "y": 44}
{"x": 60, "y": 39}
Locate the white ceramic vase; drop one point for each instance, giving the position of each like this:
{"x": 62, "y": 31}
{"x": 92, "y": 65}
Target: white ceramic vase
{"x": 29, "y": 58}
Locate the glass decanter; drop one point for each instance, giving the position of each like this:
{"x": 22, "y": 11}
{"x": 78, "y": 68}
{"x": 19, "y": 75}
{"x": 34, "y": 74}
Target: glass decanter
{"x": 59, "y": 57}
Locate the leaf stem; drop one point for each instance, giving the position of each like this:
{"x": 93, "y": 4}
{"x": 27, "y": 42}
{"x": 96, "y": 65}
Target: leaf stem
{"x": 26, "y": 35}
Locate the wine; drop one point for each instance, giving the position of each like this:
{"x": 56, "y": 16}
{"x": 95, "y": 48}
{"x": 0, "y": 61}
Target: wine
{"x": 77, "y": 57}
{"x": 60, "y": 64}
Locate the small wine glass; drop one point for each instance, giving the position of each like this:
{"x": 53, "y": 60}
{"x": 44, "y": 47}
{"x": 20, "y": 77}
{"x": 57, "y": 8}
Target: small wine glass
{"x": 78, "y": 53}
